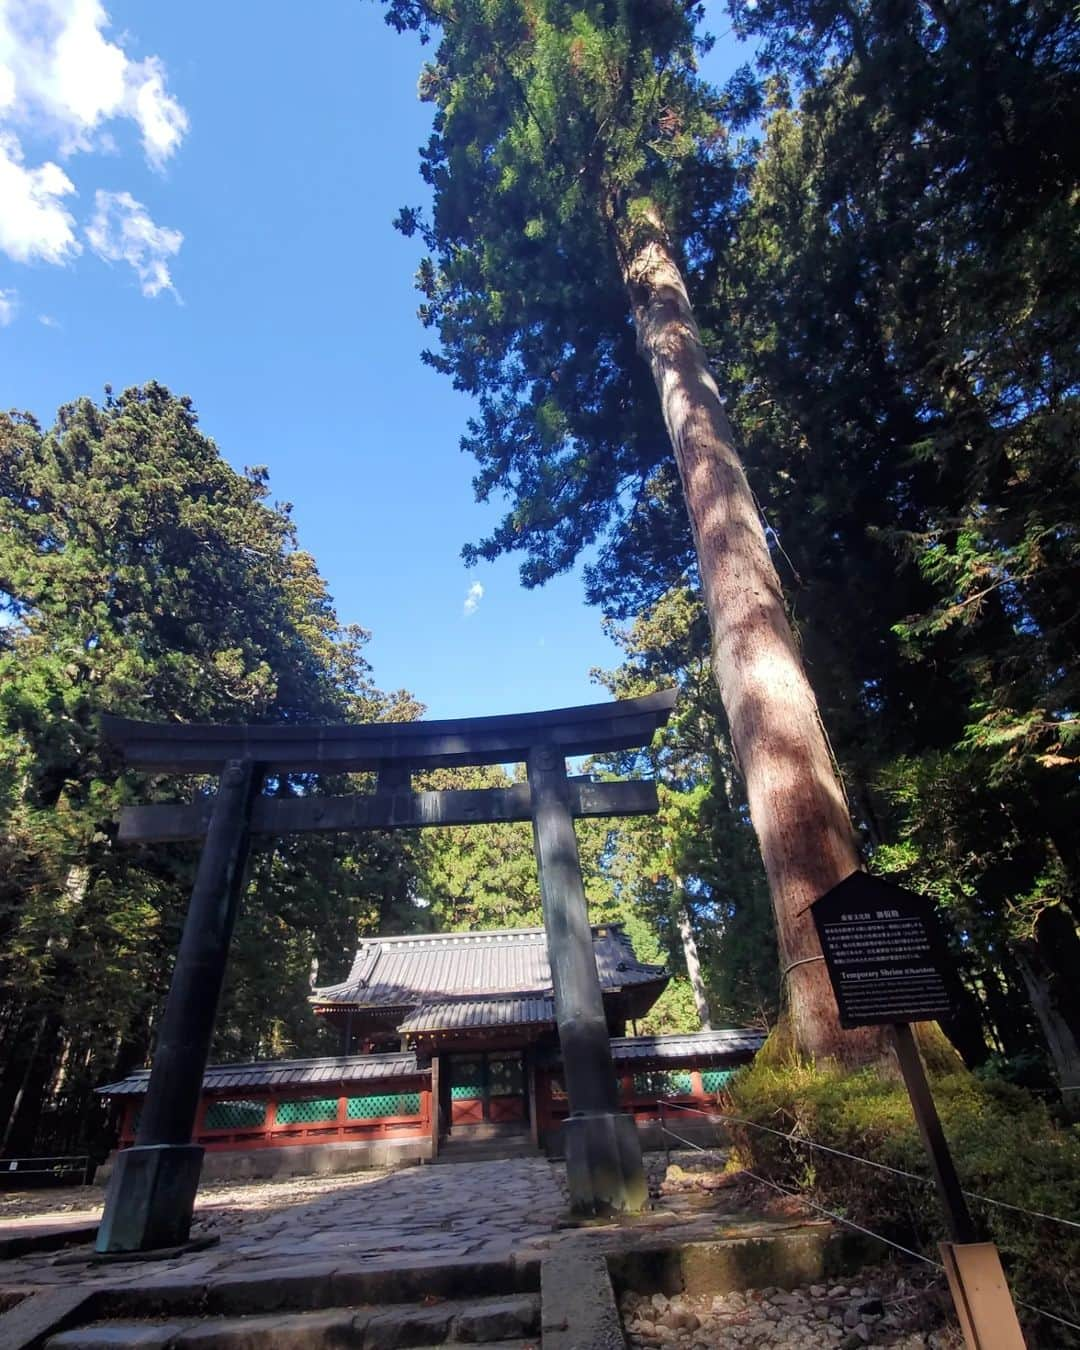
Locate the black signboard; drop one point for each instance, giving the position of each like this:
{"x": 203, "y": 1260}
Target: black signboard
{"x": 885, "y": 953}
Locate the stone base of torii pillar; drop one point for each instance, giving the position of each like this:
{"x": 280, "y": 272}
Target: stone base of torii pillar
{"x": 604, "y": 1172}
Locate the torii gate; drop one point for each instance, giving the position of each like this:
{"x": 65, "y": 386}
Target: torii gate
{"x": 151, "y": 1192}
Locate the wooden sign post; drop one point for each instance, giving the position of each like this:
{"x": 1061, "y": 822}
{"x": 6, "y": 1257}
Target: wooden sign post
{"x": 888, "y": 961}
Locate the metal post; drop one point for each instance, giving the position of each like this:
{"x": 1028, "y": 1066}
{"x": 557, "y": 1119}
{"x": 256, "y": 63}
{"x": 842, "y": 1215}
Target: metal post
{"x": 603, "y": 1152}
{"x": 151, "y": 1192}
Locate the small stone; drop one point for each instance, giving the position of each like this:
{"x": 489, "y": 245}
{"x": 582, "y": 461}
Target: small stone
{"x": 863, "y": 1333}
{"x": 838, "y": 1291}
{"x": 643, "y": 1328}
{"x": 852, "y": 1318}
{"x": 659, "y": 1302}
{"x": 855, "y": 1292}
{"x": 852, "y": 1341}
{"x": 818, "y": 1291}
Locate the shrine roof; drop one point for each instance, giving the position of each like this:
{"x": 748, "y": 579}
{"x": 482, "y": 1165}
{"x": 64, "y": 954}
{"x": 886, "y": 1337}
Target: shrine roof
{"x": 405, "y": 972}
{"x": 475, "y": 1014}
{"x": 284, "y": 1073}
{"x": 690, "y": 1046}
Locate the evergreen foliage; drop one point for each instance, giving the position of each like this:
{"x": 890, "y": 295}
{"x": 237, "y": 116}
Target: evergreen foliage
{"x": 877, "y": 230}
{"x": 142, "y": 576}
{"x": 898, "y": 316}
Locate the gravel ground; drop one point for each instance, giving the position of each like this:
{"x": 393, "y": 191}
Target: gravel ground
{"x": 888, "y": 1309}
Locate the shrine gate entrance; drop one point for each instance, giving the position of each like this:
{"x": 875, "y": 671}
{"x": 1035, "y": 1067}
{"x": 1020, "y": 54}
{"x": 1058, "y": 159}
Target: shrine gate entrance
{"x": 484, "y": 1088}
{"x": 152, "y": 1188}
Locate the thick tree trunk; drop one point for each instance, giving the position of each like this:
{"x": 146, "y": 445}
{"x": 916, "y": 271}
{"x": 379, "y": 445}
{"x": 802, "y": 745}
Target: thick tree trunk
{"x": 796, "y": 803}
{"x": 693, "y": 964}
{"x": 1063, "y": 1045}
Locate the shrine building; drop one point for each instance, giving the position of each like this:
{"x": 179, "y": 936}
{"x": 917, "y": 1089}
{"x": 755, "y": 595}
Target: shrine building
{"x": 449, "y": 1048}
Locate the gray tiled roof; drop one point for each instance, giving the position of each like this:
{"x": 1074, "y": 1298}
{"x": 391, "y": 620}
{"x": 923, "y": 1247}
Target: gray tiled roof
{"x": 404, "y": 971}
{"x": 284, "y": 1073}
{"x": 739, "y": 1042}
{"x": 457, "y": 1014}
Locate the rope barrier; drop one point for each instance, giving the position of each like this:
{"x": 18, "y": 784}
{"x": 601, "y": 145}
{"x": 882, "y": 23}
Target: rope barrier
{"x": 851, "y": 1223}
{"x": 796, "y": 1195}
{"x": 869, "y": 1162}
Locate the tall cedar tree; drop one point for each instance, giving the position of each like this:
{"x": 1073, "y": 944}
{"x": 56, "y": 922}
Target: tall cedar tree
{"x": 698, "y": 876}
{"x": 141, "y": 575}
{"x": 578, "y": 169}
{"x": 901, "y": 324}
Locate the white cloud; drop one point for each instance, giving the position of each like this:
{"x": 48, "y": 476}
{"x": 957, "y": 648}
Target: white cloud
{"x": 9, "y": 303}
{"x": 121, "y": 231}
{"x": 48, "y": 321}
{"x": 34, "y": 223}
{"x": 62, "y": 81}
{"x": 473, "y": 596}
{"x": 63, "y": 76}
{"x": 162, "y": 120}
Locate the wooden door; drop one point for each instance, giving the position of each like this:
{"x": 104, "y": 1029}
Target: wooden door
{"x": 487, "y": 1087}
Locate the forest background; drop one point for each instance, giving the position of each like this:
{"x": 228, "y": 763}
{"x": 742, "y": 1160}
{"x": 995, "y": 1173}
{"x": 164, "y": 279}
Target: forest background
{"x": 877, "y": 226}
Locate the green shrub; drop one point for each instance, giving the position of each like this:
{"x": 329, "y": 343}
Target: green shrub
{"x": 1004, "y": 1142}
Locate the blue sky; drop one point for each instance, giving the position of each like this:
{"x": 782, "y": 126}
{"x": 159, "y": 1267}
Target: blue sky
{"x": 202, "y": 194}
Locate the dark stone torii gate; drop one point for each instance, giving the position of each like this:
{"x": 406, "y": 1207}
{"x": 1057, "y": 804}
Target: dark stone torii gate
{"x": 151, "y": 1191}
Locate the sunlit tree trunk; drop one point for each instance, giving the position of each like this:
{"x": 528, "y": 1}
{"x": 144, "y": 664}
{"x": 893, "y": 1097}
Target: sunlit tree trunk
{"x": 796, "y": 802}
{"x": 693, "y": 963}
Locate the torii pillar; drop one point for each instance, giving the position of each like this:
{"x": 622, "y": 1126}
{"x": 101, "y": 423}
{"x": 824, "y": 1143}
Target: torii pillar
{"x": 152, "y": 1190}
{"x": 604, "y": 1170}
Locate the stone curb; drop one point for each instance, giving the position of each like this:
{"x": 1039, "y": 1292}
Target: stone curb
{"x": 26, "y": 1325}
{"x": 46, "y": 1240}
{"x": 781, "y": 1260}
{"x": 578, "y": 1304}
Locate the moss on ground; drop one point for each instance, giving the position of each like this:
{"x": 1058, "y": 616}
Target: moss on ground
{"x": 1005, "y": 1142}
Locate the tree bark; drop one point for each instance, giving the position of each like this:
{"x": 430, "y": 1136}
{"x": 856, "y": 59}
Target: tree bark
{"x": 693, "y": 964}
{"x": 1063, "y": 1046}
{"x": 796, "y": 802}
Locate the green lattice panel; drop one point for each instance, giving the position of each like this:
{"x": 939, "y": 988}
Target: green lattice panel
{"x": 662, "y": 1083}
{"x": 465, "y": 1092}
{"x": 715, "y": 1080}
{"x": 235, "y": 1115}
{"x": 386, "y": 1104}
{"x": 308, "y": 1112}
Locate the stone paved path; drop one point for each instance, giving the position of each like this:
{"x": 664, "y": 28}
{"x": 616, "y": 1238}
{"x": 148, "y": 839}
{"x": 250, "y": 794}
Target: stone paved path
{"x": 391, "y": 1220}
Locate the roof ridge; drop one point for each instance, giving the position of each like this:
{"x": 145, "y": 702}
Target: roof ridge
{"x": 475, "y": 935}
{"x": 464, "y": 936}
{"x": 481, "y": 995}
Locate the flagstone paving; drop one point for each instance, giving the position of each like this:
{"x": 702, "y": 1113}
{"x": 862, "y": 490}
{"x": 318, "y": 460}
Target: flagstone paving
{"x": 385, "y": 1221}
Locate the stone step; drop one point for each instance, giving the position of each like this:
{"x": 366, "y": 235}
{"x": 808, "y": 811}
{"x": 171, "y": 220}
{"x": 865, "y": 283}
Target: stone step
{"x": 454, "y": 1158}
{"x": 490, "y": 1149}
{"x": 489, "y": 1129}
{"x": 484, "y": 1321}
{"x": 484, "y": 1147}
{"x": 313, "y": 1286}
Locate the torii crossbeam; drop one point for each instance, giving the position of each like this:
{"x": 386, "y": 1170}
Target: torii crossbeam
{"x": 152, "y": 1188}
